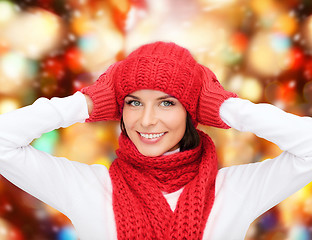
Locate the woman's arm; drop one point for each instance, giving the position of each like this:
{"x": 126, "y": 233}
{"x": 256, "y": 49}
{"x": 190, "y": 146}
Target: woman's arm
{"x": 264, "y": 184}
{"x": 51, "y": 179}
{"x": 290, "y": 132}
{"x": 89, "y": 104}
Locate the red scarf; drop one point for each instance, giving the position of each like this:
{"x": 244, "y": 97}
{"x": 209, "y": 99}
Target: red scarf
{"x": 142, "y": 212}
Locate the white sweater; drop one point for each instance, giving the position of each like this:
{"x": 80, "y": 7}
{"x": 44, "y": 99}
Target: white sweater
{"x": 84, "y": 192}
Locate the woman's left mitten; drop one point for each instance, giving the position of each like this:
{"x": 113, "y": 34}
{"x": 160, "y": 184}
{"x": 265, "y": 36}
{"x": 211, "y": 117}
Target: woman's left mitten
{"x": 211, "y": 97}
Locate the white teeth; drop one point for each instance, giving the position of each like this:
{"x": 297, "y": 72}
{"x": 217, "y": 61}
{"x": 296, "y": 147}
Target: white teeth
{"x": 150, "y": 136}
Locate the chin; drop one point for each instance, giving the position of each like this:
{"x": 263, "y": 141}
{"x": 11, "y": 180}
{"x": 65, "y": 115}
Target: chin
{"x": 151, "y": 152}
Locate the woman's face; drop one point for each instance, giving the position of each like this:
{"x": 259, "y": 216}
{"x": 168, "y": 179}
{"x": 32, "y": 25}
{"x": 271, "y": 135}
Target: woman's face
{"x": 155, "y": 121}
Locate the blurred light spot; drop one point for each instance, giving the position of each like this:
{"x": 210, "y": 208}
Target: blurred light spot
{"x": 104, "y": 160}
{"x": 88, "y": 43}
{"x": 7, "y": 11}
{"x": 280, "y": 42}
{"x": 4, "y": 229}
{"x": 15, "y": 71}
{"x": 13, "y": 65}
{"x": 67, "y": 233}
{"x": 45, "y": 28}
{"x": 286, "y": 23}
{"x": 307, "y": 91}
{"x": 296, "y": 58}
{"x": 268, "y": 54}
{"x": 299, "y": 233}
{"x": 307, "y": 32}
{"x": 246, "y": 87}
{"x": 47, "y": 142}
{"x": 8, "y": 105}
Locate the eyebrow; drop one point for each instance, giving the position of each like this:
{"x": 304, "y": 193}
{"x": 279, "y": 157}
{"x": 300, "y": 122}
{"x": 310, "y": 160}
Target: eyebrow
{"x": 160, "y": 98}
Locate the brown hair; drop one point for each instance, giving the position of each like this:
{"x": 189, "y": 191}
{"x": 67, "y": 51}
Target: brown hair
{"x": 190, "y": 139}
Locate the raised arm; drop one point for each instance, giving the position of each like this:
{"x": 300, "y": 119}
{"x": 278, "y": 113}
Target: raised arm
{"x": 290, "y": 132}
{"x": 18, "y": 128}
{"x": 265, "y": 184}
{"x": 50, "y": 179}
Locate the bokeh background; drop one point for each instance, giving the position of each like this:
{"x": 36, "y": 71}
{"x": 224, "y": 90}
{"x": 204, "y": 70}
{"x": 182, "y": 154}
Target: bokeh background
{"x": 259, "y": 49}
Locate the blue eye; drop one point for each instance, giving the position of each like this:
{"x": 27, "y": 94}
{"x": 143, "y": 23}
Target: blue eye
{"x": 167, "y": 103}
{"x": 133, "y": 103}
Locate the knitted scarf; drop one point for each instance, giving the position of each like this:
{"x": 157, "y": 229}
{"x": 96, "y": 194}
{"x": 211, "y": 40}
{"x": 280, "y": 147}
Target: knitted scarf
{"x": 142, "y": 212}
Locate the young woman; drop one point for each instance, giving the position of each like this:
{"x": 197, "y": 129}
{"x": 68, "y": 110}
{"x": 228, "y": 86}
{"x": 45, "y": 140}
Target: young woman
{"x": 164, "y": 183}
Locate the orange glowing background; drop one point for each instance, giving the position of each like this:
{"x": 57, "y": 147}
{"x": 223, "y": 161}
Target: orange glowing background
{"x": 259, "y": 49}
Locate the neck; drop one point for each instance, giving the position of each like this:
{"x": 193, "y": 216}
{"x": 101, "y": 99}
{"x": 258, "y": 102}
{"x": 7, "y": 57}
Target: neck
{"x": 171, "y": 152}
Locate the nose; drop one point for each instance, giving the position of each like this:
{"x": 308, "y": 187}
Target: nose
{"x": 148, "y": 117}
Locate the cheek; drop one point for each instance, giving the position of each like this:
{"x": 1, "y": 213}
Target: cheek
{"x": 176, "y": 121}
{"x": 129, "y": 119}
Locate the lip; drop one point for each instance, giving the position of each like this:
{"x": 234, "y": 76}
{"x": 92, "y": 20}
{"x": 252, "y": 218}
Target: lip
{"x": 152, "y": 140}
{"x": 151, "y": 132}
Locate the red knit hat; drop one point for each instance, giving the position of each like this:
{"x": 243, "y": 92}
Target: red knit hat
{"x": 165, "y": 67}
{"x": 160, "y": 66}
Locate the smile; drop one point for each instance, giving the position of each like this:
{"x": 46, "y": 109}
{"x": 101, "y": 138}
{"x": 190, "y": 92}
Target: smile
{"x": 151, "y": 136}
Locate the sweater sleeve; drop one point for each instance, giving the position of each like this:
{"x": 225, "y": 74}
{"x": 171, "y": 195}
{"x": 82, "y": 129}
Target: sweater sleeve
{"x": 264, "y": 184}
{"x": 53, "y": 180}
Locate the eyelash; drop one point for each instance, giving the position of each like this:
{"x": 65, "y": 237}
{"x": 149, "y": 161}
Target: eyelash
{"x": 132, "y": 101}
{"x": 170, "y": 102}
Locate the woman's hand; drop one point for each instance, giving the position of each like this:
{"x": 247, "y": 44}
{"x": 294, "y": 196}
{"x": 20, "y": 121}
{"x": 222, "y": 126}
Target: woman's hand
{"x": 101, "y": 98}
{"x": 211, "y": 97}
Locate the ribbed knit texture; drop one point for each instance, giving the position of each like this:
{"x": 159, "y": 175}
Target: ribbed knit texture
{"x": 103, "y": 96}
{"x": 142, "y": 212}
{"x": 211, "y": 97}
{"x": 161, "y": 66}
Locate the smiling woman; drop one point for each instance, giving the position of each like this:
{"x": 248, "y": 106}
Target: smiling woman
{"x": 165, "y": 182}
{"x": 190, "y": 138}
{"x": 154, "y": 121}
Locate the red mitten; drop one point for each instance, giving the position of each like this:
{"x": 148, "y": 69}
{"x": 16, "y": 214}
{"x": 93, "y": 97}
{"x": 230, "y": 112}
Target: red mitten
{"x": 103, "y": 96}
{"x": 211, "y": 97}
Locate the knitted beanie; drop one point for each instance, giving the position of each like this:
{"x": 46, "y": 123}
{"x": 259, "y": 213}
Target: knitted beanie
{"x": 160, "y": 66}
{"x": 165, "y": 67}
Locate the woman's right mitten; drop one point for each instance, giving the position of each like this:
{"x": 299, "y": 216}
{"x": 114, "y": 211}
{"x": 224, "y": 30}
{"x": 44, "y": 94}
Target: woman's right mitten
{"x": 103, "y": 96}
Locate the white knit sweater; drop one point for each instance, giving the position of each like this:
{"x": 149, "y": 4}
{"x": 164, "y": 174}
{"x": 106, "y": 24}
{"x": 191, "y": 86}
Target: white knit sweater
{"x": 84, "y": 192}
